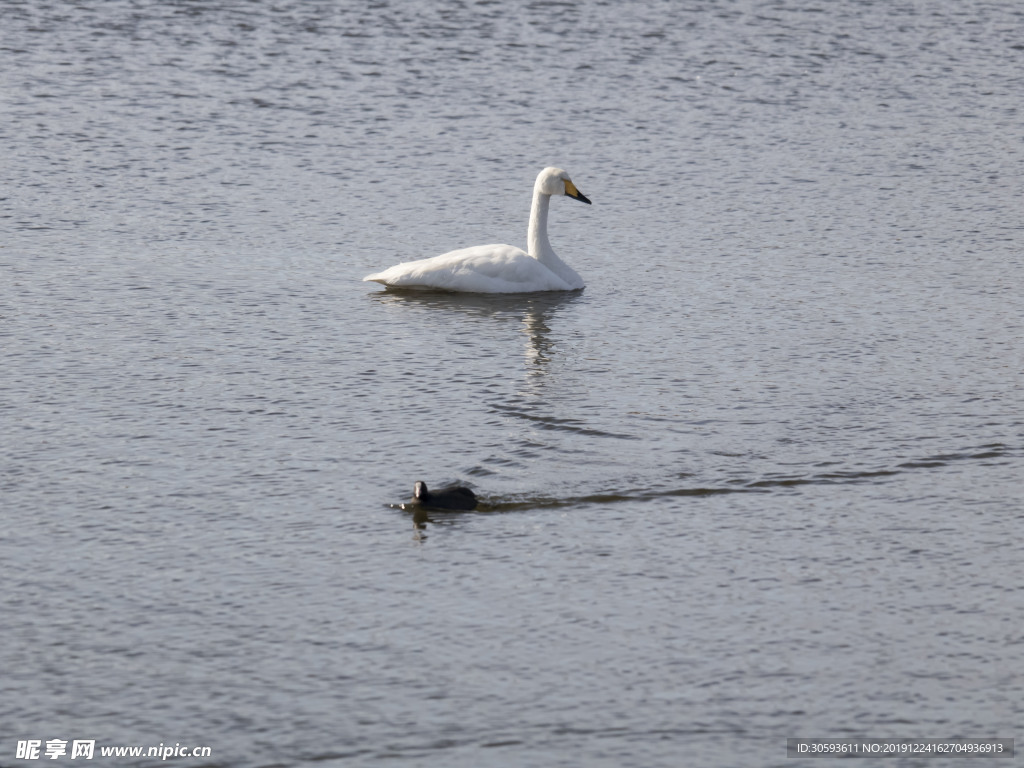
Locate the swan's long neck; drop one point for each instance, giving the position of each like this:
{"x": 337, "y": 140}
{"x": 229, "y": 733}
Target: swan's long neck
{"x": 537, "y": 237}
{"x": 540, "y": 248}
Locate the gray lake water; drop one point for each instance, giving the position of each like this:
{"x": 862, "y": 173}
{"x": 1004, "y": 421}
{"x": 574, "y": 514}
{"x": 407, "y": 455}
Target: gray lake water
{"x": 761, "y": 479}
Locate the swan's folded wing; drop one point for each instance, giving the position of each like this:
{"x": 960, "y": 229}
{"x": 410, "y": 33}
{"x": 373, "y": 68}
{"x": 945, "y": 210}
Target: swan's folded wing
{"x": 480, "y": 269}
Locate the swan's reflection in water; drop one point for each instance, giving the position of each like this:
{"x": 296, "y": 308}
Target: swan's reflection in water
{"x": 533, "y": 310}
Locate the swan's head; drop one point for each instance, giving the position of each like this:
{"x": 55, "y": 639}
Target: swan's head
{"x": 419, "y": 491}
{"x": 555, "y": 181}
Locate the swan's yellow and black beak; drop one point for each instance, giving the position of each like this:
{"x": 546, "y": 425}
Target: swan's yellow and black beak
{"x": 575, "y": 194}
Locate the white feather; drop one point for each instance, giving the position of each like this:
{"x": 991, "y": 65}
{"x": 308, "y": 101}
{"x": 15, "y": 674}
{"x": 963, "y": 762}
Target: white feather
{"x": 497, "y": 268}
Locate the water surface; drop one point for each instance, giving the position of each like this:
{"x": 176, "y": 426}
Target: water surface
{"x": 761, "y": 479}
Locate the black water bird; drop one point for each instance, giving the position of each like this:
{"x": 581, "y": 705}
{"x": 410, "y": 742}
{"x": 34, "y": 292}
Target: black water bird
{"x": 447, "y": 498}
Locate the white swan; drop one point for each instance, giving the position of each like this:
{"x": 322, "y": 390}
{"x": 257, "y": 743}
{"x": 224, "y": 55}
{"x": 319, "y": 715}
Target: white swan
{"x": 498, "y": 268}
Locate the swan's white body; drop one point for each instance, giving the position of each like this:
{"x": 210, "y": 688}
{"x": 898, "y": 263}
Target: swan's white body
{"x": 498, "y": 268}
